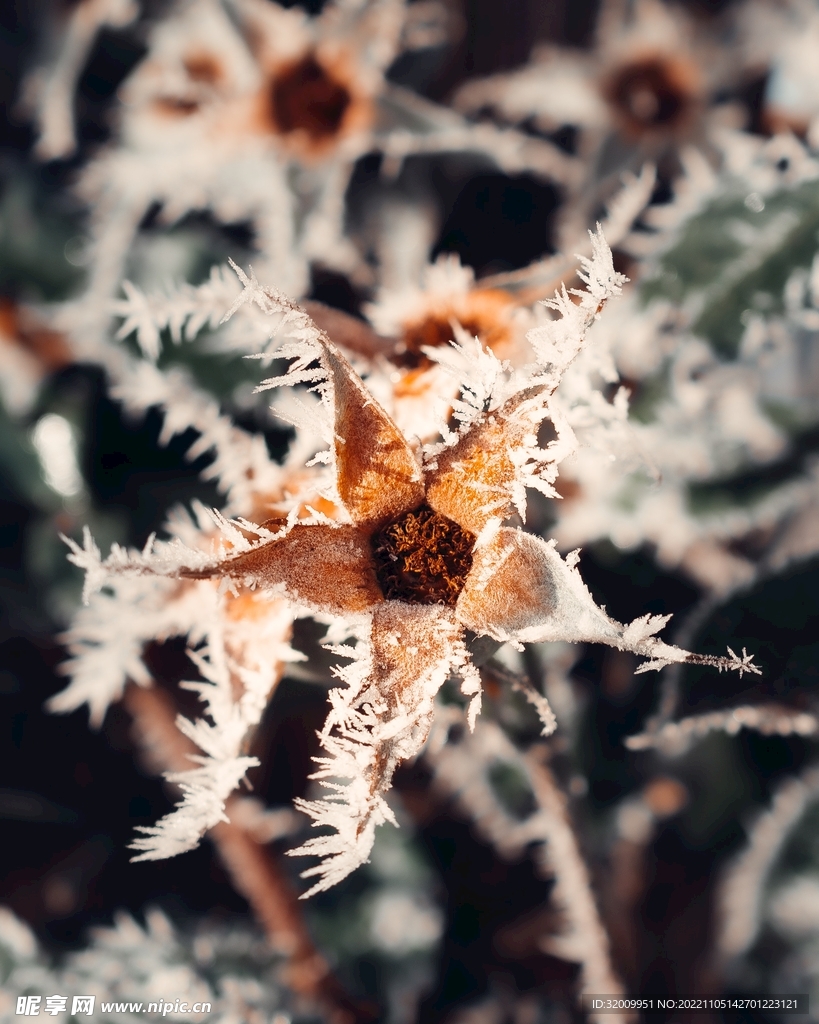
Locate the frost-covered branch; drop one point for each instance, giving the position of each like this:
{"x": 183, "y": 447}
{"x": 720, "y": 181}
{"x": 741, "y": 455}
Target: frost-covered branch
{"x": 523, "y": 684}
{"x": 241, "y": 842}
{"x": 375, "y": 724}
{"x": 557, "y": 343}
{"x": 241, "y": 466}
{"x": 461, "y": 769}
{"x": 48, "y": 92}
{"x": 743, "y": 887}
{"x": 108, "y": 636}
{"x": 124, "y": 962}
{"x": 183, "y": 310}
{"x": 675, "y": 738}
{"x": 511, "y": 150}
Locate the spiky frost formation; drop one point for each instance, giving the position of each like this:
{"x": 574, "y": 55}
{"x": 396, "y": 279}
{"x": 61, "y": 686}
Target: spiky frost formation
{"x": 222, "y": 739}
{"x": 239, "y": 643}
{"x": 714, "y": 388}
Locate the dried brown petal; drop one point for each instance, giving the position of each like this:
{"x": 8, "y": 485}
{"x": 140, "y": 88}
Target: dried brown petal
{"x": 326, "y": 568}
{"x": 521, "y": 589}
{"x": 511, "y": 586}
{"x": 413, "y": 649}
{"x": 474, "y": 479}
{"x": 378, "y": 476}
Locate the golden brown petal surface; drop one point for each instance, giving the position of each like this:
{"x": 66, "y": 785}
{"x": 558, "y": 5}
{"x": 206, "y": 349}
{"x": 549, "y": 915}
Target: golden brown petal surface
{"x": 413, "y": 649}
{"x": 327, "y": 568}
{"x": 412, "y": 645}
{"x": 511, "y": 586}
{"x": 378, "y": 477}
{"x": 473, "y": 480}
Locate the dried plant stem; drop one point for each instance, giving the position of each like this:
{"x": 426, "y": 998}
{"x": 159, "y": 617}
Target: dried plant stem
{"x": 249, "y": 863}
{"x": 742, "y": 890}
{"x": 523, "y": 684}
{"x": 588, "y": 940}
{"x": 53, "y": 106}
{"x": 460, "y": 769}
{"x": 672, "y": 674}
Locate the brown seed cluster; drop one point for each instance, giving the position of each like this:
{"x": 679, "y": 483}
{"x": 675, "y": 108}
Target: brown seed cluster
{"x": 306, "y": 98}
{"x": 423, "y": 558}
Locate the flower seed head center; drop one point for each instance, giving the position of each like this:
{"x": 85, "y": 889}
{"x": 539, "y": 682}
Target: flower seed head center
{"x": 307, "y": 98}
{"x": 653, "y": 93}
{"x": 423, "y": 558}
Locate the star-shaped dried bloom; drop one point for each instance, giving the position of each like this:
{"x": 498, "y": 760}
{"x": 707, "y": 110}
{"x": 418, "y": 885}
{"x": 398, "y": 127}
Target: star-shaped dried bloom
{"x": 424, "y": 564}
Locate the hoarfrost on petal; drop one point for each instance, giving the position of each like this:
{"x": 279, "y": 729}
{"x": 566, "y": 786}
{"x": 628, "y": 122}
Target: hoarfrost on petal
{"x": 381, "y": 719}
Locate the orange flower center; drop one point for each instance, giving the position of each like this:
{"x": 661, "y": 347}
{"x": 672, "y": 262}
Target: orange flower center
{"x": 485, "y": 316}
{"x": 652, "y": 93}
{"x": 423, "y": 558}
{"x": 306, "y": 98}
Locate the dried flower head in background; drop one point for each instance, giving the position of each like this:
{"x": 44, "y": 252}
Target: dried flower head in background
{"x": 653, "y": 92}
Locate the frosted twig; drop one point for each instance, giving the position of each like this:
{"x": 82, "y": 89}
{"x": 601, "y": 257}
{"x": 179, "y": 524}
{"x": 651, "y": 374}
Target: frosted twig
{"x": 587, "y": 941}
{"x": 523, "y": 684}
{"x": 242, "y": 466}
{"x": 558, "y": 342}
{"x": 511, "y": 150}
{"x": 675, "y": 738}
{"x": 49, "y": 92}
{"x": 252, "y": 868}
{"x": 206, "y": 788}
{"x": 545, "y": 275}
{"x": 241, "y": 660}
{"x": 672, "y": 675}
{"x": 461, "y": 770}
{"x": 742, "y": 889}
{"x": 107, "y": 638}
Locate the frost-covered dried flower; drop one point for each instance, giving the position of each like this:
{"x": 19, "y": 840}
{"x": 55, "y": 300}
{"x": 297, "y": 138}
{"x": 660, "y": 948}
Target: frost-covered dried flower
{"x": 422, "y": 560}
{"x": 447, "y": 305}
